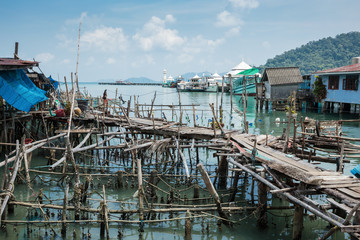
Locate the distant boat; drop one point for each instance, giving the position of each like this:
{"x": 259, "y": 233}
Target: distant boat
{"x": 196, "y": 85}
{"x": 246, "y": 81}
{"x": 212, "y": 83}
{"x": 181, "y": 84}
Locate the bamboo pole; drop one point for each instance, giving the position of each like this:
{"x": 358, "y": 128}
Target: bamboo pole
{"x": 26, "y": 163}
{"x": 105, "y": 212}
{"x": 63, "y": 227}
{"x": 213, "y": 192}
{"x": 141, "y": 195}
{"x": 12, "y": 180}
{"x": 183, "y": 159}
{"x": 288, "y": 195}
{"x": 77, "y": 61}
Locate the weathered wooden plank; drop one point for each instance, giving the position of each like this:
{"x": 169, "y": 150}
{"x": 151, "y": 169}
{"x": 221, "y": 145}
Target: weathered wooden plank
{"x": 349, "y": 192}
{"x": 339, "y": 205}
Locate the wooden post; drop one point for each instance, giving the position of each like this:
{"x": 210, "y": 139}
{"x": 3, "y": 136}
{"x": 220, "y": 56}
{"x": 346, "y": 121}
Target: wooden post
{"x": 223, "y": 172}
{"x": 141, "y": 195}
{"x": 152, "y": 104}
{"x": 105, "y": 213}
{"x": 340, "y": 165}
{"x": 77, "y": 61}
{"x": 244, "y": 112}
{"x": 298, "y": 218}
{"x": 222, "y": 91}
{"x": 16, "y": 52}
{"x": 194, "y": 115}
{"x": 196, "y": 191}
{"x": 256, "y": 92}
{"x": 245, "y": 91}
{"x": 120, "y": 179}
{"x": 262, "y": 221}
{"x": 26, "y": 163}
{"x": 285, "y": 147}
{"x": 215, "y": 118}
{"x": 213, "y": 193}
{"x": 12, "y": 180}
{"x": 231, "y": 93}
{"x": 294, "y": 138}
{"x": 183, "y": 159}
{"x": 188, "y": 225}
{"x": 63, "y": 226}
{"x": 234, "y": 187}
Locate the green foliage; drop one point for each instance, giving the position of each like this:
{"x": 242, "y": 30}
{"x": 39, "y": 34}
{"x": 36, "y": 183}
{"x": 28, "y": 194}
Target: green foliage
{"x": 319, "y": 55}
{"x": 319, "y": 89}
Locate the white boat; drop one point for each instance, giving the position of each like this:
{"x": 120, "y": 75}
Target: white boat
{"x": 181, "y": 84}
{"x": 213, "y": 82}
{"x": 196, "y": 85}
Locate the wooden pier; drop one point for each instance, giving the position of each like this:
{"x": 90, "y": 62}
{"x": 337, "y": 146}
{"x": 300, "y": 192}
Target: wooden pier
{"x": 149, "y": 151}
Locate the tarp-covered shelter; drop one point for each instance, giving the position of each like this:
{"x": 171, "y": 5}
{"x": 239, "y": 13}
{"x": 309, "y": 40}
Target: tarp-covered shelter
{"x": 19, "y": 91}
{"x": 16, "y": 88}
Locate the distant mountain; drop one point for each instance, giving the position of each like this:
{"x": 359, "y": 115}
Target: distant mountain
{"x": 319, "y": 55}
{"x": 140, "y": 80}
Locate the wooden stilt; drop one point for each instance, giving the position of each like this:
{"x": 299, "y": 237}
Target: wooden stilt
{"x": 188, "y": 225}
{"x": 213, "y": 193}
{"x": 262, "y": 221}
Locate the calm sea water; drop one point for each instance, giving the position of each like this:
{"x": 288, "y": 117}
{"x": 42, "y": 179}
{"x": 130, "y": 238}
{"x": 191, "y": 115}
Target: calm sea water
{"x": 261, "y": 122}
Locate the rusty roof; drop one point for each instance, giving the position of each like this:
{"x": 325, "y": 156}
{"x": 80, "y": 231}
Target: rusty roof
{"x": 350, "y": 68}
{"x": 11, "y": 63}
{"x": 282, "y": 76}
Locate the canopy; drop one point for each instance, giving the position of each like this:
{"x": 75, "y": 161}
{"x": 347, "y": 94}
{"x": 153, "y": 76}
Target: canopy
{"x": 19, "y": 91}
{"x": 249, "y": 72}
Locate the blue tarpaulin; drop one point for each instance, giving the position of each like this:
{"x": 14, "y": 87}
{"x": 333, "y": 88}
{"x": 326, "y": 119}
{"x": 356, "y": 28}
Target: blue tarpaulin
{"x": 19, "y": 91}
{"x": 54, "y": 83}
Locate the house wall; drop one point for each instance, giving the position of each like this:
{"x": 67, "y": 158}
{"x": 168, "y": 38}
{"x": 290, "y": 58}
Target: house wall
{"x": 267, "y": 89}
{"x": 282, "y": 91}
{"x": 340, "y": 95}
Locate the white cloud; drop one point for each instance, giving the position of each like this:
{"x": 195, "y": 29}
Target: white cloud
{"x": 245, "y": 3}
{"x": 143, "y": 61}
{"x": 185, "y": 58}
{"x": 266, "y": 44}
{"x": 44, "y": 57}
{"x": 110, "y": 61}
{"x": 170, "y": 18}
{"x": 65, "y": 61}
{"x": 106, "y": 39}
{"x": 232, "y": 32}
{"x": 198, "y": 45}
{"x": 90, "y": 61}
{"x": 155, "y": 34}
{"x": 226, "y": 19}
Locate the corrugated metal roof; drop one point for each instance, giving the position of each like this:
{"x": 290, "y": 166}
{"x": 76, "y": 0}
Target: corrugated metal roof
{"x": 11, "y": 63}
{"x": 349, "y": 68}
{"x": 282, "y": 76}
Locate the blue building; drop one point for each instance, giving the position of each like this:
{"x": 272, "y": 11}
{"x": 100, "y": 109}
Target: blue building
{"x": 342, "y": 85}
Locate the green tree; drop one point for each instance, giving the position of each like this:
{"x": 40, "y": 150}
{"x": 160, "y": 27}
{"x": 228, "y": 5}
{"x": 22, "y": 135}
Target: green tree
{"x": 319, "y": 89}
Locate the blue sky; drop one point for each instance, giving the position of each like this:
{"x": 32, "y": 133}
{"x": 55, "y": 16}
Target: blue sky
{"x": 122, "y": 39}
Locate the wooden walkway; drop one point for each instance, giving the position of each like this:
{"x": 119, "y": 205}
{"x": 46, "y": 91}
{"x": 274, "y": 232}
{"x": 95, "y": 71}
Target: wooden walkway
{"x": 317, "y": 181}
{"x": 303, "y": 178}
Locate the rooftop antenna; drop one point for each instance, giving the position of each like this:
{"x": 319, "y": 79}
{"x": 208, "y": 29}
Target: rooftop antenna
{"x": 77, "y": 62}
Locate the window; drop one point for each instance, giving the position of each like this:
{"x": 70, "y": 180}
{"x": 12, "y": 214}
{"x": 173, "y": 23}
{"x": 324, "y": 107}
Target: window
{"x": 333, "y": 82}
{"x": 351, "y": 82}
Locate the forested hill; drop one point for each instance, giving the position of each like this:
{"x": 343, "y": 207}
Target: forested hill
{"x": 319, "y": 55}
